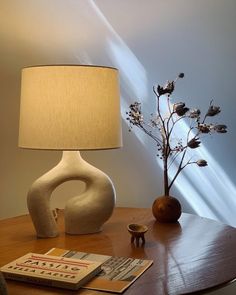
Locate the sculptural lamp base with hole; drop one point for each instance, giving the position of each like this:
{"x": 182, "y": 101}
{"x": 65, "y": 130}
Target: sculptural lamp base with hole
{"x": 85, "y": 213}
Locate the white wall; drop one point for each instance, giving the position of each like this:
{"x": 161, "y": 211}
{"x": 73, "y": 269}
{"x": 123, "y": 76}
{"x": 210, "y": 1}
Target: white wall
{"x": 150, "y": 42}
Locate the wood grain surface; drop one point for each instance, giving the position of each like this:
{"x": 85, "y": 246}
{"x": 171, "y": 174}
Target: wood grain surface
{"x": 194, "y": 255}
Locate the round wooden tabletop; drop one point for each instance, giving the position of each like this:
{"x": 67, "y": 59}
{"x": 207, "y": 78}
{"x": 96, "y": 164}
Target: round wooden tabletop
{"x": 193, "y": 255}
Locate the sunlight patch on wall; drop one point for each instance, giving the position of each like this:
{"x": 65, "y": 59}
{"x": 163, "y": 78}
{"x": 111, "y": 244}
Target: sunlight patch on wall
{"x": 208, "y": 190}
{"x": 132, "y": 73}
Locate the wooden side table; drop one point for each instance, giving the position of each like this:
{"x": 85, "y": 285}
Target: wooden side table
{"x": 194, "y": 255}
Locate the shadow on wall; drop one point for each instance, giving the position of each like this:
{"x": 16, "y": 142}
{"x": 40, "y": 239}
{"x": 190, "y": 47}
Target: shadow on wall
{"x": 204, "y": 194}
{"x": 137, "y": 178}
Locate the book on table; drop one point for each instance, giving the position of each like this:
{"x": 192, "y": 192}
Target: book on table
{"x": 51, "y": 270}
{"x": 117, "y": 274}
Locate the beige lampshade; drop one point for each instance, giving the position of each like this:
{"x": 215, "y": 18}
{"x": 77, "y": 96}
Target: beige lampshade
{"x": 70, "y": 107}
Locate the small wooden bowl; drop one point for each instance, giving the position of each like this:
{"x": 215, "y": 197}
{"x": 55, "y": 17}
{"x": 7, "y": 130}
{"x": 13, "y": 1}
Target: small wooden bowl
{"x": 137, "y": 232}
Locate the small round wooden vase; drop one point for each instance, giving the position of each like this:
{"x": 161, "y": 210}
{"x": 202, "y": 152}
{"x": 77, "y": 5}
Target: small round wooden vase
{"x": 166, "y": 209}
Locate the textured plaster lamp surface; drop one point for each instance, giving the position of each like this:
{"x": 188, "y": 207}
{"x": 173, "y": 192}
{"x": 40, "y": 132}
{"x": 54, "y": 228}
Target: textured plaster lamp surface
{"x": 70, "y": 108}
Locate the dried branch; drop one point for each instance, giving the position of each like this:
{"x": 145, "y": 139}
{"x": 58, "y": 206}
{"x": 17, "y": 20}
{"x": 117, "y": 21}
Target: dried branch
{"x": 162, "y": 129}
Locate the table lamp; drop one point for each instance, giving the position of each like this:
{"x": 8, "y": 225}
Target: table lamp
{"x": 70, "y": 108}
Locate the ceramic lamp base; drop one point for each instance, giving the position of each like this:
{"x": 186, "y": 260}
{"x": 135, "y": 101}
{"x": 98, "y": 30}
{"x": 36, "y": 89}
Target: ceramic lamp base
{"x": 85, "y": 213}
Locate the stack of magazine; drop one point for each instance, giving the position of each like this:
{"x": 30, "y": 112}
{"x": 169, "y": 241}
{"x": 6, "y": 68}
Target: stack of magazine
{"x": 73, "y": 270}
